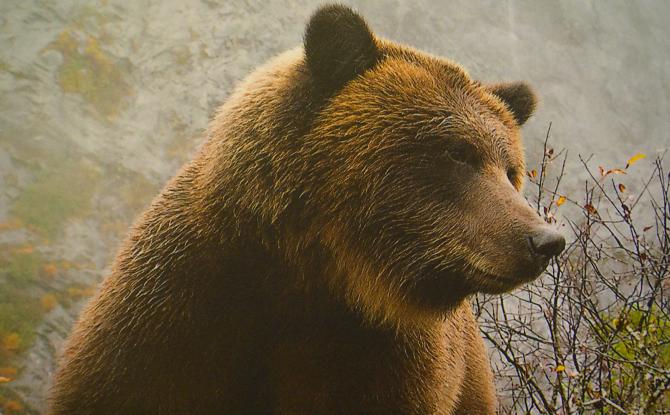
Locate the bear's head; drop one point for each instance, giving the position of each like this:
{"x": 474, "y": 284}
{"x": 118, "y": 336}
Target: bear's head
{"x": 400, "y": 176}
{"x": 418, "y": 170}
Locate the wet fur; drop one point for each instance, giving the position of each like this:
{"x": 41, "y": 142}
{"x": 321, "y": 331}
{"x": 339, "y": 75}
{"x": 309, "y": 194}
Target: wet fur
{"x": 291, "y": 269}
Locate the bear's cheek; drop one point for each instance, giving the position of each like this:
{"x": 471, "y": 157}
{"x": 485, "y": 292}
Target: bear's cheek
{"x": 498, "y": 235}
{"x": 483, "y": 223}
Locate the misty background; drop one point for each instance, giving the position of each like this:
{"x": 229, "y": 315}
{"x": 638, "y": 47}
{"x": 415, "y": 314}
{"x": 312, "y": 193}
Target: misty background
{"x": 102, "y": 101}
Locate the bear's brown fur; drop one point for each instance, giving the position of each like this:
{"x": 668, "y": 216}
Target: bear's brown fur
{"x": 317, "y": 255}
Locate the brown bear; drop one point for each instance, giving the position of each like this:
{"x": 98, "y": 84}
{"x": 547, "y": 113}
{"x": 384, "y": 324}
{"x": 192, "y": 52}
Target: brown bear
{"x": 317, "y": 255}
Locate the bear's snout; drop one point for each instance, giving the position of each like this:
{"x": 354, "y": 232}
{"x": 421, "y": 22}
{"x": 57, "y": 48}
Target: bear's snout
{"x": 546, "y": 243}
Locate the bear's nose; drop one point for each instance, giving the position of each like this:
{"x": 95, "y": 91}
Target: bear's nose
{"x": 547, "y": 242}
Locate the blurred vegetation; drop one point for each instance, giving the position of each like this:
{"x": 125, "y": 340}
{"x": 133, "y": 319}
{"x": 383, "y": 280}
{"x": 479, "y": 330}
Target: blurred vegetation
{"x": 63, "y": 188}
{"x": 24, "y": 299}
{"x": 20, "y": 313}
{"x": 88, "y": 71}
{"x": 57, "y": 195}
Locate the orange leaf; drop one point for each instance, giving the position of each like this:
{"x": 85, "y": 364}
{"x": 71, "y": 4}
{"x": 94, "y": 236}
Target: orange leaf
{"x": 572, "y": 374}
{"x": 615, "y": 171}
{"x": 8, "y": 371}
{"x": 602, "y": 170}
{"x": 49, "y": 269}
{"x": 560, "y": 201}
{"x": 28, "y": 249}
{"x": 589, "y": 208}
{"x": 622, "y": 187}
{"x": 48, "y": 302}
{"x": 634, "y": 159}
{"x": 13, "y": 406}
{"x": 532, "y": 174}
{"x": 4, "y": 379}
{"x": 10, "y": 224}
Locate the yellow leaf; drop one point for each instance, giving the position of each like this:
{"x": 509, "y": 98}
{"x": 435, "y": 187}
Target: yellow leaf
{"x": 11, "y": 342}
{"x": 560, "y": 368}
{"x": 634, "y": 159}
{"x": 75, "y": 292}
{"x": 81, "y": 292}
{"x": 560, "y": 201}
{"x": 48, "y": 302}
{"x": 66, "y": 264}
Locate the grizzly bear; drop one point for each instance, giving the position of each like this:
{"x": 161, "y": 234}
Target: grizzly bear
{"x": 318, "y": 254}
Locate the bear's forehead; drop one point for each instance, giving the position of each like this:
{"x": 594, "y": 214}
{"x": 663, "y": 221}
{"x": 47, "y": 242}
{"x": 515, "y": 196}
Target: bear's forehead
{"x": 440, "y": 66}
{"x": 411, "y": 91}
{"x": 431, "y": 79}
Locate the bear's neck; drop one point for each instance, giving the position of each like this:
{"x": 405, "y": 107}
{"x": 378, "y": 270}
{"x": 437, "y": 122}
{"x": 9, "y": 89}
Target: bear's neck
{"x": 201, "y": 243}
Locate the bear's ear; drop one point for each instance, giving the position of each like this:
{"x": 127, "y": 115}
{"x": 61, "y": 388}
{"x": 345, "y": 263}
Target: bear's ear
{"x": 519, "y": 98}
{"x": 338, "y": 46}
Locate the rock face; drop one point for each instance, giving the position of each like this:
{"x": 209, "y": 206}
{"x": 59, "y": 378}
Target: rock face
{"x": 102, "y": 103}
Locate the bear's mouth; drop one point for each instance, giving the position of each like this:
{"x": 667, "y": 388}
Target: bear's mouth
{"x": 440, "y": 287}
{"x": 497, "y": 284}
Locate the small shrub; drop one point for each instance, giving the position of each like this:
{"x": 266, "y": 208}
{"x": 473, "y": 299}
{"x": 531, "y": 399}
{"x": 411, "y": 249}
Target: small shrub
{"x": 592, "y": 335}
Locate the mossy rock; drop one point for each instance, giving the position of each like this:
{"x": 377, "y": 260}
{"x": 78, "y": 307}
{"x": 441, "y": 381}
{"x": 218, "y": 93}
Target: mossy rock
{"x": 56, "y": 195}
{"x": 90, "y": 72}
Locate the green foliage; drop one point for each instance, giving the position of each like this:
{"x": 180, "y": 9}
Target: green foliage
{"x": 23, "y": 268}
{"x": 136, "y": 193}
{"x": 88, "y": 71}
{"x": 12, "y": 404}
{"x": 19, "y": 315}
{"x": 648, "y": 329}
{"x": 20, "y": 311}
{"x": 56, "y": 196}
{"x": 637, "y": 338}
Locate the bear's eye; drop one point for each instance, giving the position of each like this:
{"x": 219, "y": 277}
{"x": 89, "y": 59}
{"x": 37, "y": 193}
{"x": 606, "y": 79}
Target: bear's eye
{"x": 463, "y": 152}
